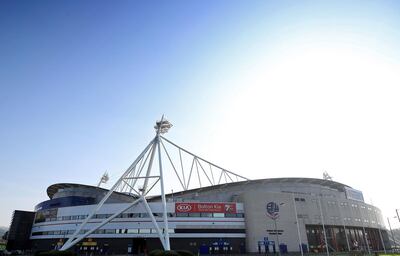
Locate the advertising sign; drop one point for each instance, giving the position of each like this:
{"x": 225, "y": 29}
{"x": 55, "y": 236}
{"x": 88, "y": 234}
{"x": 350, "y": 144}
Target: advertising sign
{"x": 354, "y": 194}
{"x": 205, "y": 207}
{"x": 272, "y": 210}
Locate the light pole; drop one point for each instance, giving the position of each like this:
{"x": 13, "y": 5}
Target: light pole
{"x": 323, "y": 225}
{"x": 391, "y": 231}
{"x": 344, "y": 229}
{"x": 297, "y": 225}
{"x": 276, "y": 229}
{"x": 273, "y": 212}
{"x": 397, "y": 213}
{"x": 380, "y": 232}
{"x": 363, "y": 227}
{"x": 277, "y": 236}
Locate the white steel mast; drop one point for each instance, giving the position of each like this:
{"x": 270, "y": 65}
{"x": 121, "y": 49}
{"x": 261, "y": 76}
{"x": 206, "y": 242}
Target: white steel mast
{"x": 133, "y": 183}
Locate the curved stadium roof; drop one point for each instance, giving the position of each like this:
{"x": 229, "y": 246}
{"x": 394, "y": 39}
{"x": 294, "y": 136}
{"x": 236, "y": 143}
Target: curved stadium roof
{"x": 51, "y": 190}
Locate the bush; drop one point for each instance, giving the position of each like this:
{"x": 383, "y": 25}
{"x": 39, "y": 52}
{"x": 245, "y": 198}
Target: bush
{"x": 171, "y": 253}
{"x": 38, "y": 252}
{"x": 159, "y": 252}
{"x": 184, "y": 253}
{"x": 55, "y": 253}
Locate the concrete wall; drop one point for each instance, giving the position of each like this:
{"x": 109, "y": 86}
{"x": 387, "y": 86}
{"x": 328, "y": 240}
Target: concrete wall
{"x": 260, "y": 225}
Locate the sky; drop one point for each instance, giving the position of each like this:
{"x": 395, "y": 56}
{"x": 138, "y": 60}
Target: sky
{"x": 263, "y": 88}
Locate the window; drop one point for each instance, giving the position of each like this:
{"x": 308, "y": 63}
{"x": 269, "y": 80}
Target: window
{"x": 207, "y": 215}
{"x": 133, "y": 231}
{"x": 130, "y": 215}
{"x": 145, "y": 231}
{"x": 194, "y": 214}
{"x": 230, "y": 215}
{"x": 218, "y": 215}
{"x": 332, "y": 203}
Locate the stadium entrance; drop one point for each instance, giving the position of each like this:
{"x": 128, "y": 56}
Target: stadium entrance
{"x": 138, "y": 246}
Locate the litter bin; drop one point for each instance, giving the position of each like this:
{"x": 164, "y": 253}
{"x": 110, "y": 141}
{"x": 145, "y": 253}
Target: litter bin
{"x": 283, "y": 248}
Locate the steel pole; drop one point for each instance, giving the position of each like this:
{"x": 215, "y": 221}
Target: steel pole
{"x": 364, "y": 232}
{"x": 164, "y": 202}
{"x": 344, "y": 227}
{"x": 277, "y": 236}
{"x": 297, "y": 224}
{"x": 391, "y": 231}
{"x": 380, "y": 234}
{"x": 323, "y": 227}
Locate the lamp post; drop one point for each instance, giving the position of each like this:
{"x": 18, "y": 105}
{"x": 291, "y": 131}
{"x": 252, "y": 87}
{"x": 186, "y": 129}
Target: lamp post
{"x": 277, "y": 236}
{"x": 380, "y": 232}
{"x": 397, "y": 213}
{"x": 319, "y": 203}
{"x": 363, "y": 227}
{"x": 344, "y": 229}
{"x": 391, "y": 231}
{"x": 273, "y": 212}
{"x": 297, "y": 225}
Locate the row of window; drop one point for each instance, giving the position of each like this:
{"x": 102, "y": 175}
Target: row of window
{"x": 334, "y": 218}
{"x": 102, "y": 231}
{"x": 361, "y": 206}
{"x": 139, "y": 231}
{"x": 334, "y": 204}
{"x": 144, "y": 215}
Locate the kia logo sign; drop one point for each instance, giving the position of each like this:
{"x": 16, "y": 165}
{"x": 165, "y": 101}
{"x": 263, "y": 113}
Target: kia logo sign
{"x": 206, "y": 207}
{"x": 184, "y": 207}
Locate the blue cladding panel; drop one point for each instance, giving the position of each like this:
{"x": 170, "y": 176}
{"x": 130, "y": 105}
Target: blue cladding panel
{"x": 65, "y": 202}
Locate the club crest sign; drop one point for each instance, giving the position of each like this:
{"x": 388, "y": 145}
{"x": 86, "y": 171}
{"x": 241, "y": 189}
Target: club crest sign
{"x": 272, "y": 210}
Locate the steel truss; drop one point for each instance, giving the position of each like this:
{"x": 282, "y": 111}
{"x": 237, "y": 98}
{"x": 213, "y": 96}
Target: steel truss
{"x": 142, "y": 177}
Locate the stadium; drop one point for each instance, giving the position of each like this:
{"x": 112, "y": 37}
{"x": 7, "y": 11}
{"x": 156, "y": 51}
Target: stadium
{"x": 215, "y": 212}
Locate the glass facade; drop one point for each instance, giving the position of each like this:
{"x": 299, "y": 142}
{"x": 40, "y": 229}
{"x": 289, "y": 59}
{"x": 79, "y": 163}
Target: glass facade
{"x": 341, "y": 238}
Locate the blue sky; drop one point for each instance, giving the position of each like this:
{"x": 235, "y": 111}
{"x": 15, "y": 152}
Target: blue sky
{"x": 249, "y": 85}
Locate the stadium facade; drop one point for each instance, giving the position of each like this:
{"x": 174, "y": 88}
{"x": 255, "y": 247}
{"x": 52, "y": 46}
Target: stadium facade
{"x": 220, "y": 212}
{"x": 238, "y": 217}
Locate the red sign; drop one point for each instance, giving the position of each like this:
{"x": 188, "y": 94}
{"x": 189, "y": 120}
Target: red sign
{"x": 206, "y": 207}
